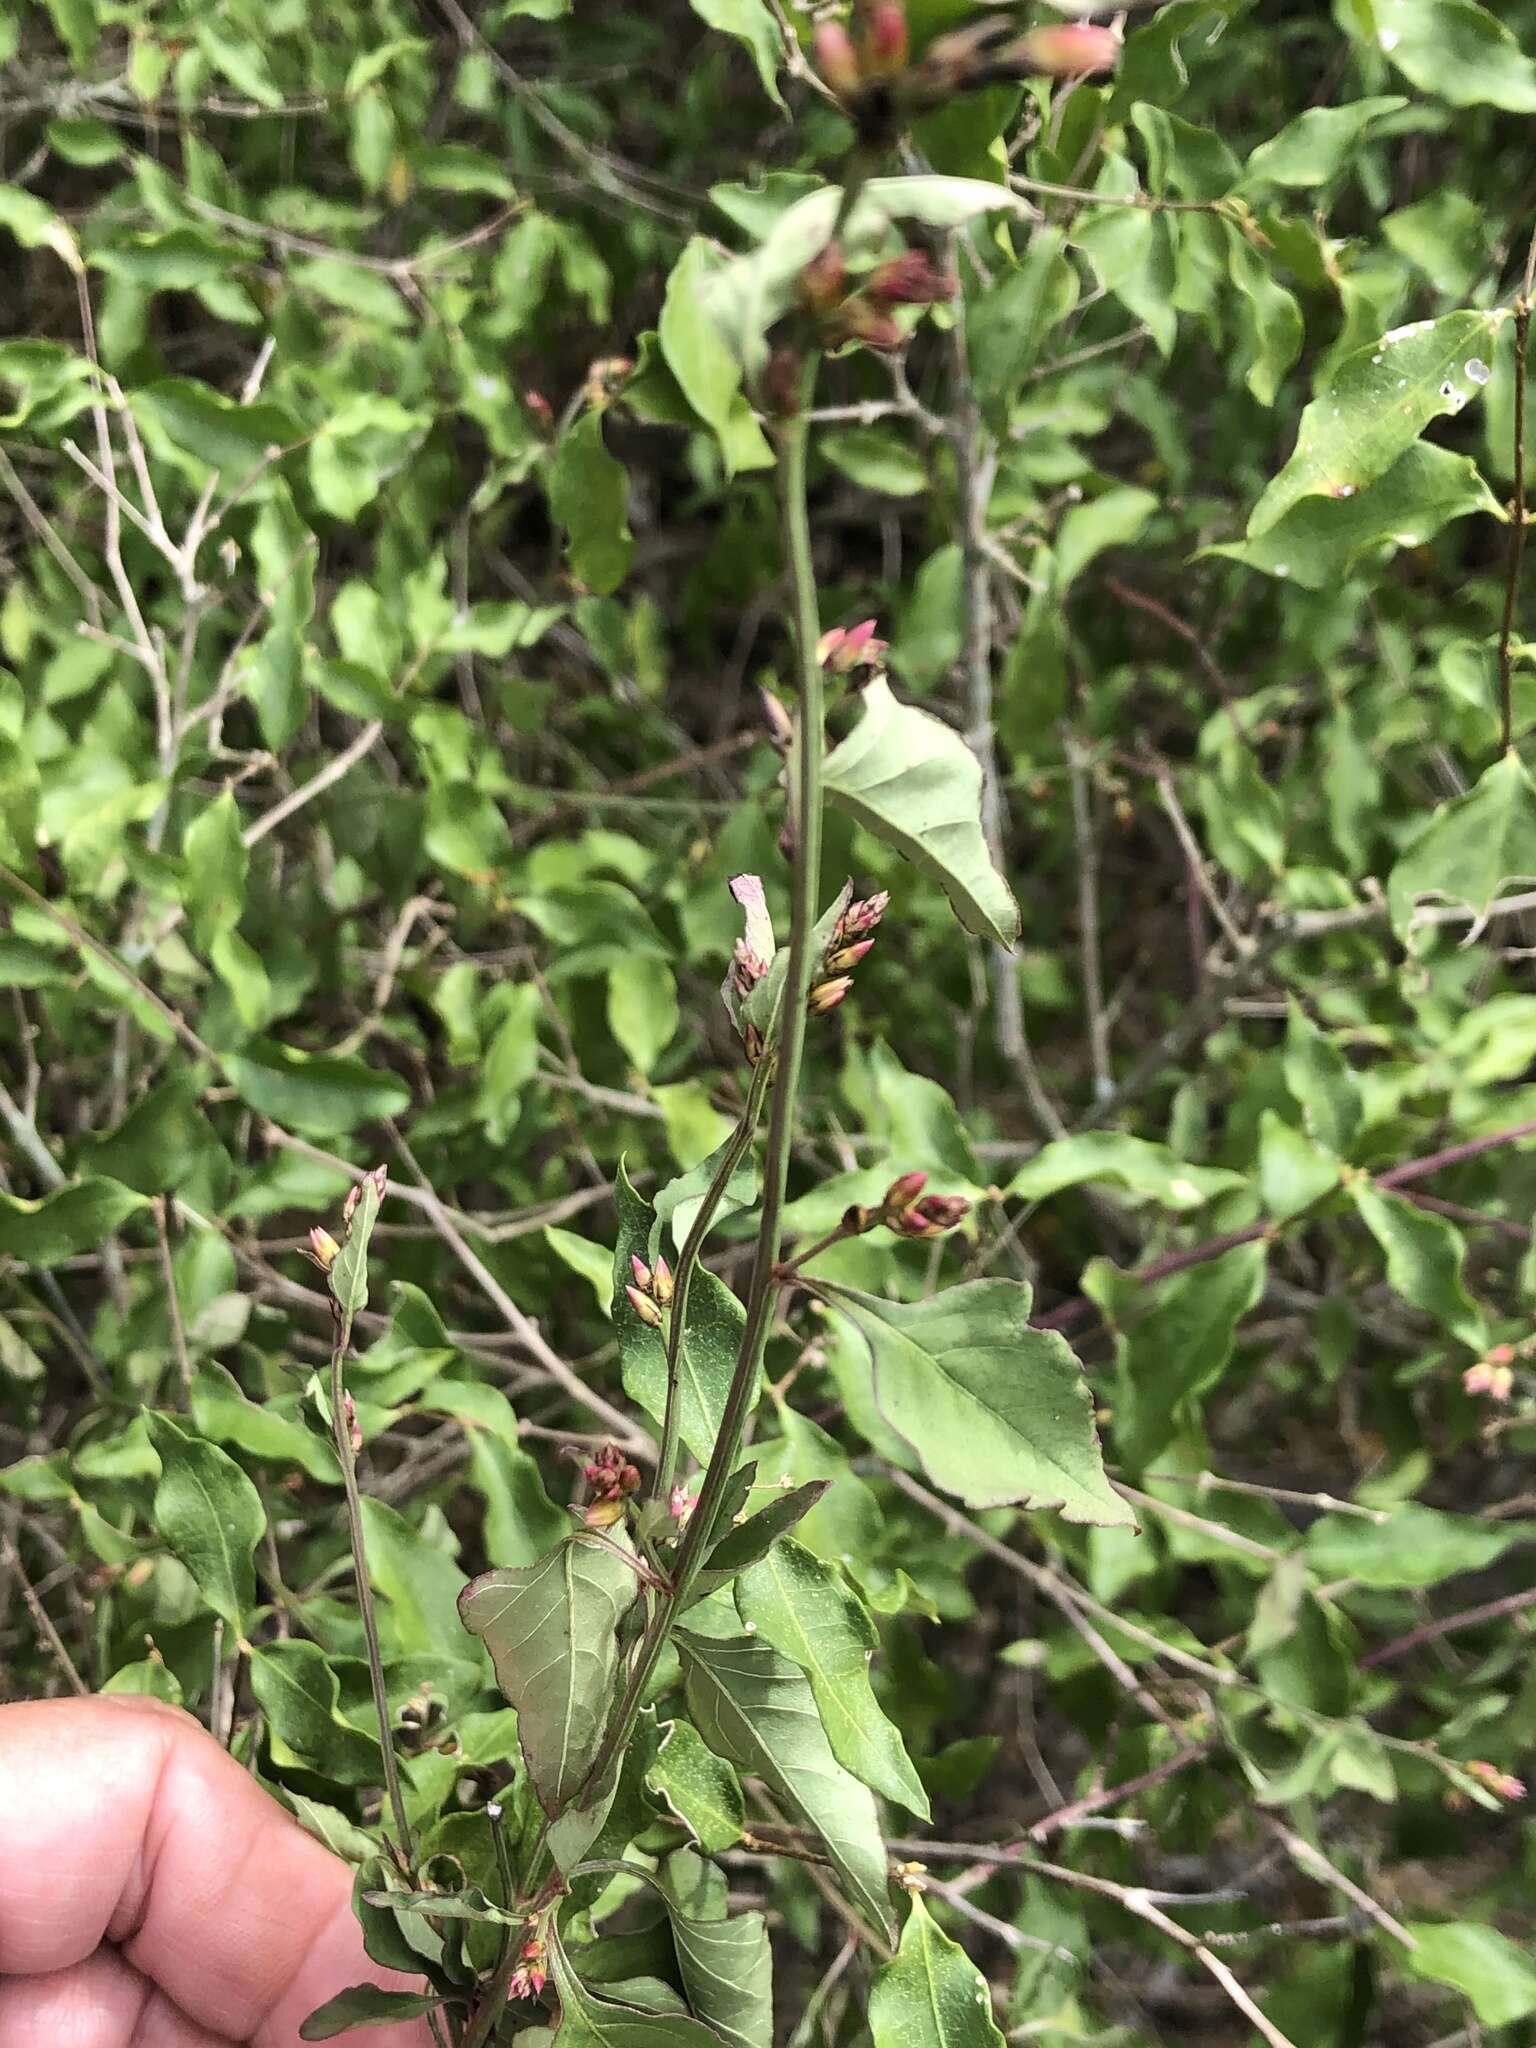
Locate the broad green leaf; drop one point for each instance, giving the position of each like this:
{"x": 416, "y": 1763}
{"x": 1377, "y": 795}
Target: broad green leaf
{"x": 1176, "y": 1346}
{"x": 590, "y": 2021}
{"x": 930, "y": 1994}
{"x": 298, "y": 1692}
{"x": 912, "y": 781}
{"x": 223, "y": 1412}
{"x": 1112, "y": 519}
{"x": 1418, "y": 1546}
{"x": 711, "y": 1338}
{"x": 1319, "y": 143}
{"x": 750, "y": 22}
{"x": 1472, "y": 849}
{"x": 678, "y": 1202}
{"x": 723, "y": 1957}
{"x": 77, "y": 1217}
{"x": 210, "y": 1515}
{"x": 218, "y": 431}
{"x": 364, "y": 2005}
{"x": 1275, "y": 324}
{"x": 1458, "y": 51}
{"x": 1135, "y": 1164}
{"x": 997, "y": 1412}
{"x": 754, "y": 1708}
{"x": 588, "y": 495}
{"x": 551, "y": 1629}
{"x": 590, "y": 1262}
{"x": 800, "y": 1606}
{"x": 1375, "y": 405}
{"x": 36, "y": 226}
{"x": 420, "y": 1582}
{"x": 700, "y": 1787}
{"x": 1007, "y": 325}
{"x": 1423, "y": 491}
{"x": 521, "y": 1521}
{"x": 1320, "y": 1082}
{"x": 694, "y": 348}
{"x": 318, "y": 1095}
{"x": 1494, "y": 1974}
{"x": 1293, "y": 1171}
{"x": 642, "y": 1010}
{"x": 1424, "y": 1259}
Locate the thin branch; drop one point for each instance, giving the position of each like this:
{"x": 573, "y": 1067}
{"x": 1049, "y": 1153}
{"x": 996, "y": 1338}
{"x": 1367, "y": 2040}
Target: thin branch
{"x": 1517, "y": 508}
{"x": 1079, "y": 763}
{"x": 1451, "y": 1624}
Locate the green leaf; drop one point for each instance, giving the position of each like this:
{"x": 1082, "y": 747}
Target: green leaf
{"x": 1494, "y": 1974}
{"x": 1319, "y": 538}
{"x": 1175, "y": 1349}
{"x": 1318, "y": 144}
{"x": 1417, "y": 1546}
{"x": 700, "y": 1787}
{"x": 997, "y": 1412}
{"x": 1424, "y": 1259}
{"x": 210, "y": 1515}
{"x": 216, "y": 864}
{"x": 1151, "y": 1171}
{"x": 77, "y": 1217}
{"x": 588, "y": 2021}
{"x": 806, "y": 1612}
{"x": 755, "y": 1534}
{"x": 750, "y": 22}
{"x": 756, "y": 1710}
{"x": 318, "y": 1095}
{"x": 930, "y": 1994}
{"x": 1320, "y": 1082}
{"x": 912, "y": 780}
{"x": 349, "y": 1273}
{"x": 1375, "y": 405}
{"x": 218, "y": 431}
{"x": 642, "y": 1010}
{"x": 589, "y": 496}
{"x": 1293, "y": 1171}
{"x": 35, "y": 225}
{"x": 1112, "y": 519}
{"x": 1458, "y": 51}
{"x": 420, "y": 1582}
{"x": 551, "y": 1629}
{"x": 78, "y": 28}
{"x": 723, "y": 1957}
{"x": 298, "y": 1691}
{"x": 222, "y": 1411}
{"x": 590, "y": 1262}
{"x": 521, "y": 1521}
{"x": 1472, "y": 849}
{"x": 365, "y": 2005}
{"x": 1276, "y": 324}
{"x": 711, "y": 1337}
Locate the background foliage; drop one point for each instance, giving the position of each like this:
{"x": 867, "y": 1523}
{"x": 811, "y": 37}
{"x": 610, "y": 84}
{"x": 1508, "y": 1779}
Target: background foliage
{"x": 391, "y": 563}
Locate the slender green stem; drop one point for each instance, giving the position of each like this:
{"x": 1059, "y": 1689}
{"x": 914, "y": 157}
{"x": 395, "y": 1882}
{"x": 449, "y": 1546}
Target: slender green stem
{"x": 763, "y": 1286}
{"x": 1517, "y": 509}
{"x": 687, "y": 1264}
{"x": 348, "y": 1462}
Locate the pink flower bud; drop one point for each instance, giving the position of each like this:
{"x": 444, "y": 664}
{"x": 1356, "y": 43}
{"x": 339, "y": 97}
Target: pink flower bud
{"x": 848, "y": 956}
{"x": 859, "y": 319}
{"x": 845, "y": 648}
{"x": 828, "y": 994}
{"x": 641, "y": 1271}
{"x": 662, "y": 1285}
{"x": 836, "y": 59}
{"x": 781, "y": 729}
{"x": 903, "y": 1192}
{"x": 644, "y": 1308}
{"x": 1069, "y": 49}
{"x": 864, "y": 914}
{"x": 931, "y": 1217}
{"x": 824, "y": 280}
{"x": 1496, "y": 1381}
{"x": 323, "y": 1248}
{"x": 883, "y": 41}
{"x": 911, "y": 279}
{"x": 1499, "y": 1783}
{"x": 680, "y": 1504}
{"x": 349, "y": 1414}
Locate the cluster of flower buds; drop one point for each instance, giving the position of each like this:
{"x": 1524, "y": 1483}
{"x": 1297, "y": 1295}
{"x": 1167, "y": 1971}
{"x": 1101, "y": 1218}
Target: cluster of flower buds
{"x": 1500, "y": 1783}
{"x": 680, "y": 1505}
{"x": 531, "y": 1975}
{"x": 844, "y": 313}
{"x": 611, "y": 1479}
{"x": 852, "y": 936}
{"x": 905, "y": 1209}
{"x": 651, "y": 1289}
{"x": 870, "y": 73}
{"x": 323, "y": 1251}
{"x": 845, "y": 650}
{"x": 1493, "y": 1375}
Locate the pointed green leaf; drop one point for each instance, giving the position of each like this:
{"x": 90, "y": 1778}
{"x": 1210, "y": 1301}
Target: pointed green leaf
{"x": 551, "y": 1629}
{"x": 996, "y": 1411}
{"x": 588, "y": 2021}
{"x": 1177, "y": 1344}
{"x": 1320, "y": 1083}
{"x": 700, "y": 1787}
{"x": 912, "y": 781}
{"x": 1375, "y": 405}
{"x": 755, "y": 1534}
{"x": 799, "y": 1605}
{"x": 723, "y": 1957}
{"x": 750, "y": 22}
{"x": 1494, "y": 1974}
{"x": 421, "y": 1584}
{"x": 1416, "y": 1546}
{"x": 589, "y": 496}
{"x": 298, "y": 1691}
{"x": 1319, "y": 143}
{"x": 319, "y": 1095}
{"x": 365, "y": 2005}
{"x": 1424, "y": 1260}
{"x": 1135, "y": 1164}
{"x": 930, "y": 1994}
{"x": 210, "y": 1515}
{"x": 349, "y": 1274}
{"x": 1457, "y": 50}
{"x": 75, "y": 1218}
{"x": 1293, "y": 1171}
{"x": 1473, "y": 848}
{"x": 754, "y": 1708}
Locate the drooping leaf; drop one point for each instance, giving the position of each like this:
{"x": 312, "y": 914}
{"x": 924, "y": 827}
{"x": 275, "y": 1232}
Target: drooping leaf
{"x": 1424, "y": 1259}
{"x": 551, "y": 1629}
{"x": 319, "y": 1096}
{"x": 930, "y": 1994}
{"x": 1374, "y": 406}
{"x": 750, "y": 22}
{"x": 723, "y": 1957}
{"x": 799, "y": 1605}
{"x": 365, "y": 2005}
{"x": 210, "y": 1515}
{"x": 754, "y": 1708}
{"x": 75, "y": 1218}
{"x": 912, "y": 781}
{"x": 1178, "y": 1345}
{"x": 995, "y": 1411}
{"x": 590, "y": 2021}
{"x": 298, "y": 1692}
{"x": 1135, "y": 1164}
{"x": 1473, "y": 848}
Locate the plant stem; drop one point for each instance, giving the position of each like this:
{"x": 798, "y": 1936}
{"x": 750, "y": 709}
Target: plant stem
{"x": 1517, "y": 508}
{"x": 342, "y": 1436}
{"x": 763, "y": 1286}
{"x": 687, "y": 1262}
